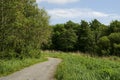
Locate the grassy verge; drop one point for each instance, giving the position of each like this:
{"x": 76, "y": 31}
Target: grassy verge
{"x": 79, "y": 67}
{"x": 72, "y": 67}
{"x": 10, "y": 66}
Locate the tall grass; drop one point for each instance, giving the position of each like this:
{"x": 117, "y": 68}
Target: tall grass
{"x": 10, "y": 66}
{"x": 77, "y": 67}
{"x": 72, "y": 67}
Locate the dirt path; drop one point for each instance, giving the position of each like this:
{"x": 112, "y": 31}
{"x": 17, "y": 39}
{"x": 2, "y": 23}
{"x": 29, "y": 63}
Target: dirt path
{"x": 41, "y": 71}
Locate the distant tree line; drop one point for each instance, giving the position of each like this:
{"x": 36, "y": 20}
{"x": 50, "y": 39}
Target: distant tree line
{"x": 93, "y": 37}
{"x": 24, "y": 28}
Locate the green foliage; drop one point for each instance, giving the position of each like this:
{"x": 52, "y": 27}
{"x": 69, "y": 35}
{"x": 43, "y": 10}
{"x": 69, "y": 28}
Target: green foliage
{"x": 94, "y": 38}
{"x": 57, "y": 31}
{"x": 84, "y": 37}
{"x": 67, "y": 40}
{"x": 34, "y": 53}
{"x": 104, "y": 45}
{"x": 114, "y": 26}
{"x": 13, "y": 65}
{"x": 64, "y": 37}
{"x": 114, "y": 37}
{"x": 95, "y": 24}
{"x": 78, "y": 67}
{"x": 71, "y": 25}
{"x": 116, "y": 49}
{"x": 26, "y": 27}
{"x": 115, "y": 41}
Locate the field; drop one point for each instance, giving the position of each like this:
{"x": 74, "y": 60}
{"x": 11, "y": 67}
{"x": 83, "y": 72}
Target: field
{"x": 81, "y": 67}
{"x": 9, "y": 66}
{"x": 73, "y": 66}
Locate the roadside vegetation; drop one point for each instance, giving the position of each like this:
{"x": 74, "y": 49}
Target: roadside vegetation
{"x": 83, "y": 67}
{"x": 24, "y": 28}
{"x": 15, "y": 64}
{"x": 74, "y": 66}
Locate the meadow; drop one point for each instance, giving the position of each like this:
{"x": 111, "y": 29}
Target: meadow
{"x": 84, "y": 67}
{"x": 73, "y": 66}
{"x": 10, "y": 66}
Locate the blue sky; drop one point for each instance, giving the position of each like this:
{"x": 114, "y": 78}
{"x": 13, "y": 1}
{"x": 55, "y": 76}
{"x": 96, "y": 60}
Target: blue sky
{"x": 76, "y": 10}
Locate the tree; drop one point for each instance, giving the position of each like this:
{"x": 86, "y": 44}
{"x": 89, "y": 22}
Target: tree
{"x": 95, "y": 27}
{"x": 95, "y": 24}
{"x": 63, "y": 39}
{"x": 98, "y": 30}
{"x": 104, "y": 46}
{"x": 67, "y": 40}
{"x": 115, "y": 41}
{"x": 114, "y": 26}
{"x": 116, "y": 49}
{"x": 57, "y": 31}
{"x": 71, "y": 25}
{"x": 23, "y": 27}
{"x": 85, "y": 38}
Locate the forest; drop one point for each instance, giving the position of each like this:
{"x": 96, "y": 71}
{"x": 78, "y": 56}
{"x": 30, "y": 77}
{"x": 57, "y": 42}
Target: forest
{"x": 25, "y": 29}
{"x": 93, "y": 37}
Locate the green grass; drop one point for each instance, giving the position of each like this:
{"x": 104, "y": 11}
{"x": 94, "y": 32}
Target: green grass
{"x": 72, "y": 67}
{"x": 81, "y": 67}
{"x": 10, "y": 66}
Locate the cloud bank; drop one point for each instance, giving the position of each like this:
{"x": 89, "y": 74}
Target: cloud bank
{"x": 57, "y": 1}
{"x": 80, "y": 13}
{"x": 75, "y": 12}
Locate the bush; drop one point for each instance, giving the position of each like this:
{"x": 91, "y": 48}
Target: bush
{"x": 35, "y": 53}
{"x": 7, "y": 54}
{"x": 104, "y": 46}
{"x": 115, "y": 43}
{"x": 117, "y": 49}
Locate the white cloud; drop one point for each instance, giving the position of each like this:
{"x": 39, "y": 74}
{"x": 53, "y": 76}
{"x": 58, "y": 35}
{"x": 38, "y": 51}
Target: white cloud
{"x": 75, "y": 12}
{"x": 57, "y": 1}
{"x": 80, "y": 13}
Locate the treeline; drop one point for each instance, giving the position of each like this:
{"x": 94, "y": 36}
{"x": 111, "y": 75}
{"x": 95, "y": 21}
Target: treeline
{"x": 24, "y": 28}
{"x": 94, "y": 37}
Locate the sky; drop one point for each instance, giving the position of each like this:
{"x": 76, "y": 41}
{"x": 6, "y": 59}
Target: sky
{"x": 61, "y": 11}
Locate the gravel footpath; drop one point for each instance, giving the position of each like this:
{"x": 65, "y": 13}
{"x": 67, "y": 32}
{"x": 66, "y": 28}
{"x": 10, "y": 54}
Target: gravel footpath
{"x": 40, "y": 71}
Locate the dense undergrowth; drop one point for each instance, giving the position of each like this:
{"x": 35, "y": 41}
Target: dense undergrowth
{"x": 12, "y": 65}
{"x": 81, "y": 67}
{"x": 72, "y": 67}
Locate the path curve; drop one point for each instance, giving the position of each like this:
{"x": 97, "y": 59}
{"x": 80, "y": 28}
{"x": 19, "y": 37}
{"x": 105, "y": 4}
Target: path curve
{"x": 40, "y": 71}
